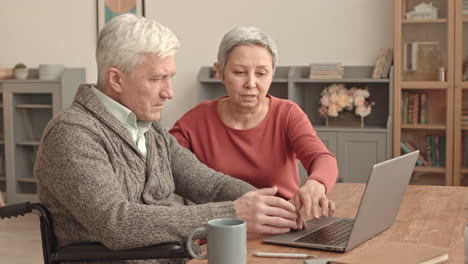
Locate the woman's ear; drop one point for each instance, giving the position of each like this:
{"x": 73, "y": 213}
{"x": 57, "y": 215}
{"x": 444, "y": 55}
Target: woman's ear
{"x": 219, "y": 73}
{"x": 114, "y": 79}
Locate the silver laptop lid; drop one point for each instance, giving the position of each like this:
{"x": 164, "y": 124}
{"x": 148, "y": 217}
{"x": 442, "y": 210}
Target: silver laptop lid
{"x": 382, "y": 197}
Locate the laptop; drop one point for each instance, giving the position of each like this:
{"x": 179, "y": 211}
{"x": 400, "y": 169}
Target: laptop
{"x": 379, "y": 207}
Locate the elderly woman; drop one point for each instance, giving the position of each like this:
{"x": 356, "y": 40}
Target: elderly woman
{"x": 254, "y": 136}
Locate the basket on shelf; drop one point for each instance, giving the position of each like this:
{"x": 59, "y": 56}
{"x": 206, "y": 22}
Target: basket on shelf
{"x": 345, "y": 119}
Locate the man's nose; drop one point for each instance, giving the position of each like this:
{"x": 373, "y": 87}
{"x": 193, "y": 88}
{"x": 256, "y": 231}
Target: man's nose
{"x": 167, "y": 92}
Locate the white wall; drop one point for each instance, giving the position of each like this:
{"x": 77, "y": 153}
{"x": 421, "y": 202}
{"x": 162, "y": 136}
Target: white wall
{"x": 64, "y": 31}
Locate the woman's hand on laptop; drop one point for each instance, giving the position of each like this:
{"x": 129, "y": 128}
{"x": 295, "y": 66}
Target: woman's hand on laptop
{"x": 311, "y": 201}
{"x": 265, "y": 213}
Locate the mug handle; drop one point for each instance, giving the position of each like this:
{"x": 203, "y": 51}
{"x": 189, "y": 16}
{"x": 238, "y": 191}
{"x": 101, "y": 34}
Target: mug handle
{"x": 190, "y": 243}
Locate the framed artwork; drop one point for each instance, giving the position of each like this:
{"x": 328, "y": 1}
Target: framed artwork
{"x": 108, "y": 9}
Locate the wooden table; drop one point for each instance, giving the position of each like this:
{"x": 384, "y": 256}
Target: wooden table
{"x": 433, "y": 215}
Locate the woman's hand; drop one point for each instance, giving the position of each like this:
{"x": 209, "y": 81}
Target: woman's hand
{"x": 266, "y": 213}
{"x": 311, "y": 201}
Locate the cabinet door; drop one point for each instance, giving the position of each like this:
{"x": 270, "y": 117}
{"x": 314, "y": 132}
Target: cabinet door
{"x": 424, "y": 87}
{"x": 460, "y": 157}
{"x": 358, "y": 152}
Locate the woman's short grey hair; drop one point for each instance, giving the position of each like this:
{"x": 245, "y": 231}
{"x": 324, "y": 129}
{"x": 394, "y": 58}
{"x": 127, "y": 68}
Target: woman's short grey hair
{"x": 124, "y": 41}
{"x": 245, "y": 36}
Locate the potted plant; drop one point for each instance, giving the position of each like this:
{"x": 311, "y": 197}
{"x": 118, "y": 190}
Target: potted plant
{"x": 20, "y": 71}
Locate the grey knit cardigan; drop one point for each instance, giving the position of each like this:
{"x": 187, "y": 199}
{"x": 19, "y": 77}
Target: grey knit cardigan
{"x": 98, "y": 186}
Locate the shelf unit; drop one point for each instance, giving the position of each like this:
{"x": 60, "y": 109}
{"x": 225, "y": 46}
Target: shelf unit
{"x": 424, "y": 59}
{"x": 27, "y": 106}
{"x": 460, "y": 157}
{"x": 357, "y": 149}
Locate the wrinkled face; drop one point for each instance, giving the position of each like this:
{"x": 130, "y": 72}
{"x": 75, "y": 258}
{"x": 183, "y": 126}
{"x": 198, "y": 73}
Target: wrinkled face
{"x": 247, "y": 75}
{"x": 145, "y": 90}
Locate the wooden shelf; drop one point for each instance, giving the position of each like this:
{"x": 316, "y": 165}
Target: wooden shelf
{"x": 424, "y": 21}
{"x": 464, "y": 85}
{"x": 424, "y": 85}
{"x": 429, "y": 169}
{"x": 425, "y": 127}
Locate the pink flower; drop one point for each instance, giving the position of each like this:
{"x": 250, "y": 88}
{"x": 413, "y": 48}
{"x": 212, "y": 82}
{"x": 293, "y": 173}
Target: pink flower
{"x": 323, "y": 111}
{"x": 325, "y": 100}
{"x": 359, "y": 101}
{"x": 362, "y": 111}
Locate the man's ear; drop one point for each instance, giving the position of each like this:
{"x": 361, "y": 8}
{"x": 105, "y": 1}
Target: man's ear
{"x": 219, "y": 73}
{"x": 114, "y": 79}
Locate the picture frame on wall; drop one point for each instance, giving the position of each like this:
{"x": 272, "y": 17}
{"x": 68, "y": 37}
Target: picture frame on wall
{"x": 108, "y": 9}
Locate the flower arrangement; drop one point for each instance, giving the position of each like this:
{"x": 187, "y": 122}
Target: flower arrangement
{"x": 336, "y": 98}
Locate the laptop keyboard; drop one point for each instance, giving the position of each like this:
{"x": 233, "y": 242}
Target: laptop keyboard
{"x": 333, "y": 234}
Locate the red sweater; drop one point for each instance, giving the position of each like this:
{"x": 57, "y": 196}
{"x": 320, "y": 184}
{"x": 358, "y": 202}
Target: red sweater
{"x": 263, "y": 156}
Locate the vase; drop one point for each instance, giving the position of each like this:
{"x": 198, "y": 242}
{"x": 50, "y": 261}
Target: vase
{"x": 347, "y": 119}
{"x": 20, "y": 73}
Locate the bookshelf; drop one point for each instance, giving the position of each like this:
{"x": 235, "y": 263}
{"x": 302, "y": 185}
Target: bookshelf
{"x": 424, "y": 87}
{"x": 460, "y": 159}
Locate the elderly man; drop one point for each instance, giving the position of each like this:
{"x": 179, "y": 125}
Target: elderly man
{"x": 106, "y": 168}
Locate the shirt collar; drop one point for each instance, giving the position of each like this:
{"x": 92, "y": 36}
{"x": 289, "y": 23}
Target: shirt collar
{"x": 122, "y": 113}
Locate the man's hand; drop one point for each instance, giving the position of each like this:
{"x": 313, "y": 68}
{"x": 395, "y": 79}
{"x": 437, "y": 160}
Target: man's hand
{"x": 266, "y": 213}
{"x": 311, "y": 201}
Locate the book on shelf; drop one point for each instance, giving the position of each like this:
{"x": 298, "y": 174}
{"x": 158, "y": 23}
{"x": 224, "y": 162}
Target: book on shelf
{"x": 326, "y": 71}
{"x": 415, "y": 101}
{"x": 433, "y": 152}
{"x": 423, "y": 108}
{"x": 326, "y": 66}
{"x": 415, "y": 107}
{"x": 409, "y": 113}
{"x": 442, "y": 151}
{"x": 410, "y": 51}
{"x": 427, "y": 143}
{"x": 384, "y": 57}
{"x": 387, "y": 65}
{"x": 325, "y": 77}
{"x": 437, "y": 150}
{"x": 396, "y": 252}
{"x": 404, "y": 94}
{"x": 408, "y": 147}
{"x": 412, "y": 148}
{"x": 428, "y": 61}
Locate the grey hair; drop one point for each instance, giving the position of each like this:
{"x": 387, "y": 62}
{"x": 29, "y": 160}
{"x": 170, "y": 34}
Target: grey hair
{"x": 124, "y": 41}
{"x": 245, "y": 36}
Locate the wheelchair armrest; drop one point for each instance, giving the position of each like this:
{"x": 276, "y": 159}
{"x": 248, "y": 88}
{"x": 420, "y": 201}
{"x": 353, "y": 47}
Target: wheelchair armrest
{"x": 15, "y": 210}
{"x": 97, "y": 251}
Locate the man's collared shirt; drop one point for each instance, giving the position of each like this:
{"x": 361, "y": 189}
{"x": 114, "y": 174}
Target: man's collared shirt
{"x": 136, "y": 128}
